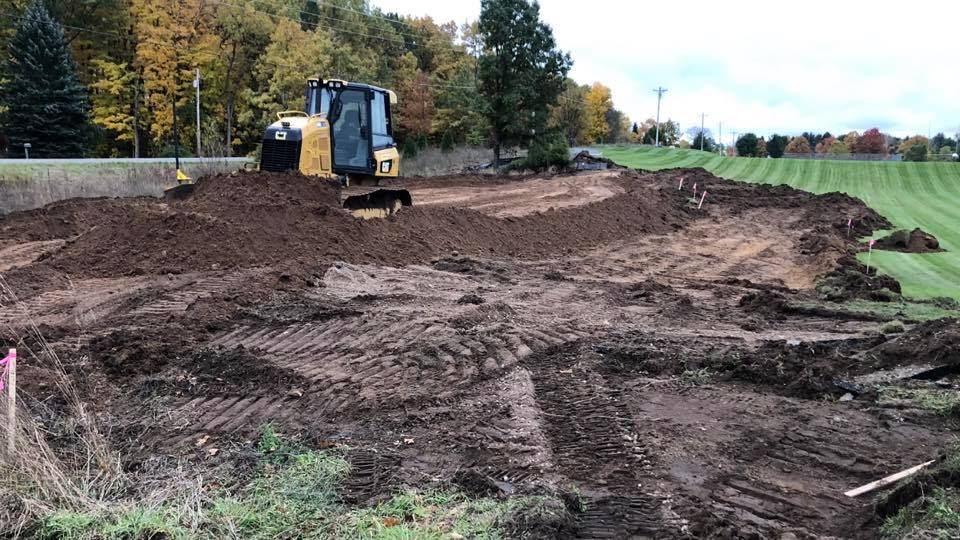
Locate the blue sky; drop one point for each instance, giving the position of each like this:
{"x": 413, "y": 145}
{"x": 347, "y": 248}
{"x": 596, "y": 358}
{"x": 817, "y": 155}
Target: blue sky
{"x": 760, "y": 66}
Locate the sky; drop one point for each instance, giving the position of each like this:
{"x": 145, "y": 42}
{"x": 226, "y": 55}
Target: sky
{"x": 764, "y": 67}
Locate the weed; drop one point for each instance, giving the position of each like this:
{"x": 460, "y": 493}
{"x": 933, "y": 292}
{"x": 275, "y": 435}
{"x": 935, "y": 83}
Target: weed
{"x": 696, "y": 377}
{"x": 944, "y": 402}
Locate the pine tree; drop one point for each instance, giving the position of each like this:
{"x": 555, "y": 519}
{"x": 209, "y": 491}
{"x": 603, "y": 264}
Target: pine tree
{"x": 46, "y": 104}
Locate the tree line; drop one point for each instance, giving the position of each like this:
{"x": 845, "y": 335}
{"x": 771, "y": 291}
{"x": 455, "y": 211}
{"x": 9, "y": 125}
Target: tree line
{"x": 870, "y": 142}
{"x": 104, "y": 78}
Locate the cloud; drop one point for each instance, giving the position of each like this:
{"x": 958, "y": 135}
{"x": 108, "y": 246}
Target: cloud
{"x": 834, "y": 66}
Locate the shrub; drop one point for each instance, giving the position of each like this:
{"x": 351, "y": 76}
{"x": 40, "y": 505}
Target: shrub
{"x": 410, "y": 148}
{"x": 917, "y": 152}
{"x": 551, "y": 150}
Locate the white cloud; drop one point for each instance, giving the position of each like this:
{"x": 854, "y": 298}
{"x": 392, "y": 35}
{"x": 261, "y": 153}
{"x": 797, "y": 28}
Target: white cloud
{"x": 758, "y": 66}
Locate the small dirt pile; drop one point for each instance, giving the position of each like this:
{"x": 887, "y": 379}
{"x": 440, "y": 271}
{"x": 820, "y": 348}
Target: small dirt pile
{"x": 851, "y": 280}
{"x": 915, "y": 241}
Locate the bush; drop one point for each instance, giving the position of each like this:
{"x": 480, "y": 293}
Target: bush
{"x": 422, "y": 142}
{"x": 446, "y": 142}
{"x": 550, "y": 150}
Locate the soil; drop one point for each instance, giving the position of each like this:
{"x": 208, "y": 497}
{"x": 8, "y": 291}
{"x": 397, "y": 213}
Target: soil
{"x": 595, "y": 334}
{"x": 915, "y": 241}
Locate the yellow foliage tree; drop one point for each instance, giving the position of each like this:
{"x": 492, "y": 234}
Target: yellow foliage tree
{"x": 599, "y": 102}
{"x": 798, "y": 145}
{"x": 113, "y": 98}
{"x": 913, "y": 141}
{"x": 174, "y": 37}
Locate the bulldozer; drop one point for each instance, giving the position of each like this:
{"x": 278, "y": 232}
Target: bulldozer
{"x": 344, "y": 133}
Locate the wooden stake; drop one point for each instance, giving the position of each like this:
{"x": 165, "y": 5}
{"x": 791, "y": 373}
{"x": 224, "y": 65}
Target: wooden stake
{"x": 12, "y": 401}
{"x": 886, "y": 481}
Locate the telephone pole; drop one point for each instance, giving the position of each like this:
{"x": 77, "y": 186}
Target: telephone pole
{"x": 196, "y": 84}
{"x": 660, "y": 92}
{"x": 720, "y": 140}
{"x": 702, "y": 116}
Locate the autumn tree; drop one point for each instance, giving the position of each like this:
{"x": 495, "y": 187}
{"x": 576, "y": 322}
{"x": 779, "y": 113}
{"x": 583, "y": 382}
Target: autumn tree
{"x": 798, "y": 145}
{"x": 521, "y": 70}
{"x": 416, "y": 116}
{"x": 915, "y": 148}
{"x": 761, "y": 148}
{"x": 569, "y": 114}
{"x": 823, "y": 146}
{"x": 599, "y": 102}
{"x": 871, "y": 142}
{"x": 850, "y": 139}
{"x": 747, "y": 145}
{"x": 44, "y": 103}
{"x": 669, "y": 133}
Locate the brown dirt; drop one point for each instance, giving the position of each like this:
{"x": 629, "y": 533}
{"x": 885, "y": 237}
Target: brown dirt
{"x": 915, "y": 241}
{"x": 934, "y": 343}
{"x": 625, "y": 346}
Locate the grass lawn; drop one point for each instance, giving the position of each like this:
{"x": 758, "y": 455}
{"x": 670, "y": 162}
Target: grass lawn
{"x": 925, "y": 195}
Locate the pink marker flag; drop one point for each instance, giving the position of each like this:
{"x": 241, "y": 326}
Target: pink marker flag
{"x": 681, "y": 184}
{"x": 872, "y": 242}
{"x": 12, "y": 355}
{"x": 699, "y": 206}
{"x": 694, "y": 190}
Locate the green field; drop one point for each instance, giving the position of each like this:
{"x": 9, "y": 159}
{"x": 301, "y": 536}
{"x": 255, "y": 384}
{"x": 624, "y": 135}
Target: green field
{"x": 925, "y": 195}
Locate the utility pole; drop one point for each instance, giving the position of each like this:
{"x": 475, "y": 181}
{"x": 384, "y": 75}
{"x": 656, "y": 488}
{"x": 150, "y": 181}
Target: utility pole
{"x": 660, "y": 91}
{"x": 702, "y": 116}
{"x": 196, "y": 84}
{"x": 720, "y": 140}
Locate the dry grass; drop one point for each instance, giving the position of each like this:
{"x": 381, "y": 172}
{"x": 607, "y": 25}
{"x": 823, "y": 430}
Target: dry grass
{"x": 434, "y": 162}
{"x": 24, "y": 186}
{"x": 36, "y": 479}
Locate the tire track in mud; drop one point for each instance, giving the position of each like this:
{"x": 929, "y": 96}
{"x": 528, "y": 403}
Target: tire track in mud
{"x": 84, "y": 303}
{"x": 180, "y": 299}
{"x": 593, "y": 441}
{"x": 356, "y": 365}
{"x": 26, "y": 253}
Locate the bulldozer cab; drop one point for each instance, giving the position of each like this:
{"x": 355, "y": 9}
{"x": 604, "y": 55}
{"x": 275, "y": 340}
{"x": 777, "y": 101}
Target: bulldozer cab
{"x": 359, "y": 115}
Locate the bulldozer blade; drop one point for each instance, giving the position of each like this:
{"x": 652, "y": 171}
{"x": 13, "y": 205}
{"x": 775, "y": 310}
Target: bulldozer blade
{"x": 378, "y": 203}
{"x": 178, "y": 192}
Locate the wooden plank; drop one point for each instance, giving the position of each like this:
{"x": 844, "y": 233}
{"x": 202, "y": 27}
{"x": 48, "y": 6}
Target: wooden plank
{"x": 887, "y": 481}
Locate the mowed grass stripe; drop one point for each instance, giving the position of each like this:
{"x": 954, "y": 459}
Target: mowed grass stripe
{"x": 925, "y": 195}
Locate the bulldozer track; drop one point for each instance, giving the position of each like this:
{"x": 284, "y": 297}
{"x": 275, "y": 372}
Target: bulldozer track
{"x": 23, "y": 254}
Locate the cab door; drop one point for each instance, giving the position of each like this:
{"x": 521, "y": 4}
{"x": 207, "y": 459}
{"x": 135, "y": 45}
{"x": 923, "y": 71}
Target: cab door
{"x": 351, "y": 133}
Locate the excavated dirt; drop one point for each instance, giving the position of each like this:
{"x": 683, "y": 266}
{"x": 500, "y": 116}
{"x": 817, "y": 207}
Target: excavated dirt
{"x": 594, "y": 338}
{"x": 915, "y": 241}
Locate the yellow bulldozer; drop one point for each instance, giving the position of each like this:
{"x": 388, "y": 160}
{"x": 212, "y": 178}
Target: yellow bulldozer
{"x": 344, "y": 133}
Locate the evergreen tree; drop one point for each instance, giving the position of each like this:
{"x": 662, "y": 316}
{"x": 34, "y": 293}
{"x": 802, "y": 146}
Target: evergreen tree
{"x": 521, "y": 71}
{"x": 46, "y": 104}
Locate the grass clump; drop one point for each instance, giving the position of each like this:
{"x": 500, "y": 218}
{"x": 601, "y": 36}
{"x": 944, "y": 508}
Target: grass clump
{"x": 943, "y": 402}
{"x": 933, "y": 515}
{"x": 892, "y": 327}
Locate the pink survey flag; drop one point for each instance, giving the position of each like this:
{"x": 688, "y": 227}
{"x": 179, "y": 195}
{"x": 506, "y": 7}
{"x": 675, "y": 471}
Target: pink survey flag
{"x": 12, "y": 355}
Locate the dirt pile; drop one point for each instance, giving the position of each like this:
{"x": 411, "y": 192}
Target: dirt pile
{"x": 258, "y": 219}
{"x": 936, "y": 343}
{"x": 851, "y": 280}
{"x": 915, "y": 241}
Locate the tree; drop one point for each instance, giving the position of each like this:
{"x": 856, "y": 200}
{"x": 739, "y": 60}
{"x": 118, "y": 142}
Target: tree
{"x": 936, "y": 142}
{"x": 521, "y": 71}
{"x": 747, "y": 145}
{"x": 798, "y": 145}
{"x": 115, "y": 97}
{"x": 599, "y": 102}
{"x": 916, "y": 140}
{"x": 46, "y": 105}
{"x": 635, "y": 129}
{"x": 851, "y": 140}
{"x": 917, "y": 152}
{"x": 416, "y": 109}
{"x": 669, "y": 133}
{"x": 871, "y": 142}
{"x": 776, "y": 145}
{"x": 761, "y": 148}
{"x": 838, "y": 148}
{"x": 703, "y": 137}
{"x": 824, "y": 146}
{"x": 569, "y": 114}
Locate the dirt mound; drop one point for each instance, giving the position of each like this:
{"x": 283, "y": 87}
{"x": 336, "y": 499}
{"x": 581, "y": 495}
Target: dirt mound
{"x": 255, "y": 219}
{"x": 936, "y": 343}
{"x": 851, "y": 280}
{"x": 915, "y": 241}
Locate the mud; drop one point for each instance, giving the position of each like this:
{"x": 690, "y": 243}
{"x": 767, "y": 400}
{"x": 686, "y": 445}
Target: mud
{"x": 624, "y": 346}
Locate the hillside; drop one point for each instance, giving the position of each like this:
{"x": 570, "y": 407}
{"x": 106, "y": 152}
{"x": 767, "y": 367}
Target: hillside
{"x": 924, "y": 195}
